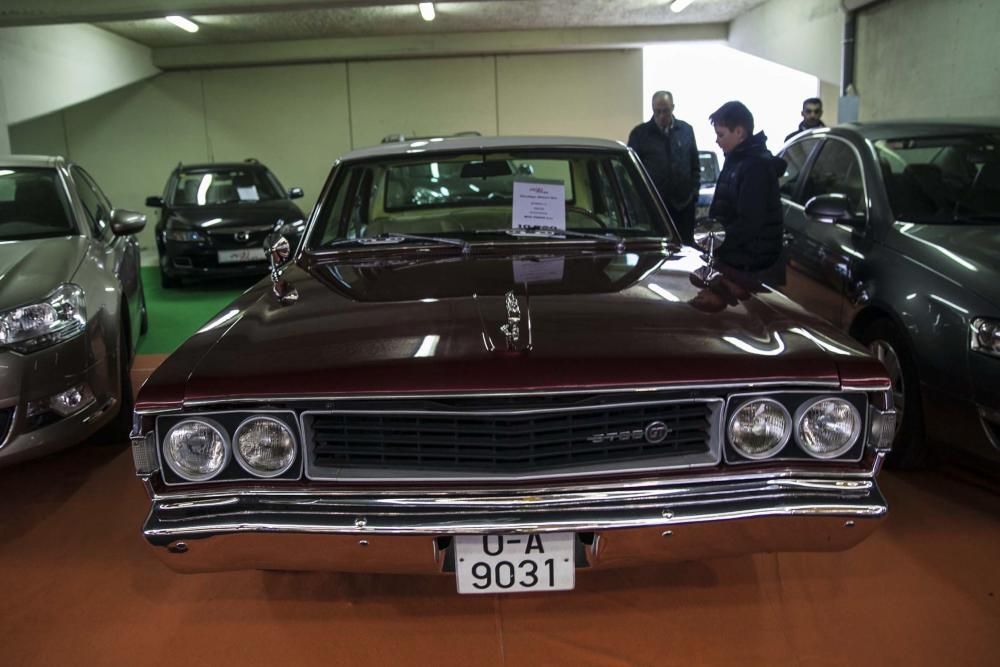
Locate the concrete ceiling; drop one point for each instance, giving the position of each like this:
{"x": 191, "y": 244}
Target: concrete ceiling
{"x": 236, "y": 21}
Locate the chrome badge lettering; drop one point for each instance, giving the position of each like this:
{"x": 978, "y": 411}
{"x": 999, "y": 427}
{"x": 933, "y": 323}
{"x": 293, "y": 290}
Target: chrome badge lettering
{"x": 654, "y": 433}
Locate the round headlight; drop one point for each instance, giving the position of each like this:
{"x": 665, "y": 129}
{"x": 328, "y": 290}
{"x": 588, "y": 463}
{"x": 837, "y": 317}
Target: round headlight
{"x": 760, "y": 428}
{"x": 827, "y": 427}
{"x": 196, "y": 449}
{"x": 264, "y": 446}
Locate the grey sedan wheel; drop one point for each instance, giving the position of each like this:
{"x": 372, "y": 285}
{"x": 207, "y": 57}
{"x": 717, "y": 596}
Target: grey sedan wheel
{"x": 886, "y": 342}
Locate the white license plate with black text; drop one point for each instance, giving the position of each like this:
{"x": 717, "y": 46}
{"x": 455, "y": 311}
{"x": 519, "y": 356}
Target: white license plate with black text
{"x": 241, "y": 255}
{"x": 515, "y": 563}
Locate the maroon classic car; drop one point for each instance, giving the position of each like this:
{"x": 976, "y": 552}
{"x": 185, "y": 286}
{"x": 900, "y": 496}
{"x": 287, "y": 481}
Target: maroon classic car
{"x": 490, "y": 357}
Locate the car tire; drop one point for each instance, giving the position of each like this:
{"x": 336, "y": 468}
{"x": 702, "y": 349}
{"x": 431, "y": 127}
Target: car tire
{"x": 116, "y": 432}
{"x": 143, "y": 312}
{"x": 885, "y": 340}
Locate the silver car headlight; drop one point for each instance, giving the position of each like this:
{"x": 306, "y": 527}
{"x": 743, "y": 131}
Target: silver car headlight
{"x": 985, "y": 336}
{"x": 760, "y": 428}
{"x": 59, "y": 316}
{"x": 827, "y": 427}
{"x": 185, "y": 235}
{"x": 264, "y": 446}
{"x": 196, "y": 449}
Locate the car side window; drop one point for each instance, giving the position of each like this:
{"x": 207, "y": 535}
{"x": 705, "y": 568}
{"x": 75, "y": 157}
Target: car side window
{"x": 795, "y": 159}
{"x": 836, "y": 171}
{"x": 96, "y": 205}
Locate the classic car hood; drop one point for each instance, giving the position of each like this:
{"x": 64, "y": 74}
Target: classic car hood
{"x": 447, "y": 324}
{"x": 29, "y": 270}
{"x": 967, "y": 254}
{"x": 235, "y": 215}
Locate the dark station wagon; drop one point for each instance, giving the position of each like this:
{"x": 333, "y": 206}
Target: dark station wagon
{"x": 491, "y": 357}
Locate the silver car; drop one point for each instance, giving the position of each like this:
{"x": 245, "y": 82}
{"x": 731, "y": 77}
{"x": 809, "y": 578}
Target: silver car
{"x": 71, "y": 308}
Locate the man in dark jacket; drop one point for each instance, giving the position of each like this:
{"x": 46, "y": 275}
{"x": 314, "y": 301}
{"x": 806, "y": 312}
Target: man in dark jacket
{"x": 812, "y": 114}
{"x": 668, "y": 150}
{"x": 746, "y": 201}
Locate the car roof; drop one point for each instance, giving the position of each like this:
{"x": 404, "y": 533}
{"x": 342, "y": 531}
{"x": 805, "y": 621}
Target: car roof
{"x": 212, "y": 166}
{"x": 50, "y": 161}
{"x": 897, "y": 129}
{"x": 452, "y": 144}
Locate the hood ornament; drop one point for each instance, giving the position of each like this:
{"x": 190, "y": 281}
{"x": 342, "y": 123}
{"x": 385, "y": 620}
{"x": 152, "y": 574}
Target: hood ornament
{"x": 279, "y": 252}
{"x": 512, "y": 330}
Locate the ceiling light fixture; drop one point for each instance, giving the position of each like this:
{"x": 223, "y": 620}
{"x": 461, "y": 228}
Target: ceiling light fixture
{"x": 183, "y": 23}
{"x": 426, "y": 10}
{"x": 678, "y": 6}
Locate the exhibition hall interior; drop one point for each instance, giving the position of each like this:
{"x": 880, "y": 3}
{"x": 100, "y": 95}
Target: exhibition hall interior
{"x": 499, "y": 332}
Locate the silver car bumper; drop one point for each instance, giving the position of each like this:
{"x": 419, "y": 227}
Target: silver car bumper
{"x": 410, "y": 533}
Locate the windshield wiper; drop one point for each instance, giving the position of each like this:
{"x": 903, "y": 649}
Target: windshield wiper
{"x": 390, "y": 239}
{"x": 548, "y": 232}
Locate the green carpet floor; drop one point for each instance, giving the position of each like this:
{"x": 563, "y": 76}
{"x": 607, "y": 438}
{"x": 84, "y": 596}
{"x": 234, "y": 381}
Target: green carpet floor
{"x": 175, "y": 314}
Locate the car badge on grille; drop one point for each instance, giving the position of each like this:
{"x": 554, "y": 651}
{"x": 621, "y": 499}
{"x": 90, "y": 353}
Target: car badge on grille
{"x": 512, "y": 330}
{"x": 242, "y": 236}
{"x": 654, "y": 433}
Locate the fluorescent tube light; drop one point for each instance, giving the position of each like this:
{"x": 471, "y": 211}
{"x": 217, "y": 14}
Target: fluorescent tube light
{"x": 678, "y": 6}
{"x": 427, "y": 10}
{"x": 183, "y": 23}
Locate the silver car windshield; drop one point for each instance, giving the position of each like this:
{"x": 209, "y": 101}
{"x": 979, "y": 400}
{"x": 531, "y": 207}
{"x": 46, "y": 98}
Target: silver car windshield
{"x": 469, "y": 196}
{"x": 32, "y": 204}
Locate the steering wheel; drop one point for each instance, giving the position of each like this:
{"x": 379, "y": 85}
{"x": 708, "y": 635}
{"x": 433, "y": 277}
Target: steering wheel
{"x": 587, "y": 214}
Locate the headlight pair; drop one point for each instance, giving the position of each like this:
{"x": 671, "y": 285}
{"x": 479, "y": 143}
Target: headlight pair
{"x": 59, "y": 316}
{"x": 198, "y": 449}
{"x": 985, "y": 336}
{"x": 825, "y": 427}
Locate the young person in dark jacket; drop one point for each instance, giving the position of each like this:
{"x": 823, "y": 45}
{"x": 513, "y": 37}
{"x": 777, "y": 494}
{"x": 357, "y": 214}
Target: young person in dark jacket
{"x": 668, "y": 150}
{"x": 746, "y": 201}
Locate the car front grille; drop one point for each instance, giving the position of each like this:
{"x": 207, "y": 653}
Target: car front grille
{"x": 510, "y": 436}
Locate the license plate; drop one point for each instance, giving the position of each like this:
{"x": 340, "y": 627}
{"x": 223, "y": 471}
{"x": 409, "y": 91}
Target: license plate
{"x": 241, "y": 255}
{"x": 515, "y": 563}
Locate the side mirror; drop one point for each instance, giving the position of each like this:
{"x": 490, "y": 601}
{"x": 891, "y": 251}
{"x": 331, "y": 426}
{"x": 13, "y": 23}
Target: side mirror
{"x": 125, "y": 222}
{"x": 832, "y": 208}
{"x": 154, "y": 202}
{"x": 295, "y": 193}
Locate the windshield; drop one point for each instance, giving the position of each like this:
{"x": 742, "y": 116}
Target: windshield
{"x": 942, "y": 179}
{"x": 474, "y": 195}
{"x": 207, "y": 187}
{"x": 32, "y": 205}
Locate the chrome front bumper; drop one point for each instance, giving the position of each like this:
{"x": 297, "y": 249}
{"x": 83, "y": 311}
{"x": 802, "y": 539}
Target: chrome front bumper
{"x": 410, "y": 533}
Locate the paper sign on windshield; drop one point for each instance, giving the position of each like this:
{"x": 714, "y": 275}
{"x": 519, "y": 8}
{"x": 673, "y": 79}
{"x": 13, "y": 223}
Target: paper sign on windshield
{"x": 539, "y": 204}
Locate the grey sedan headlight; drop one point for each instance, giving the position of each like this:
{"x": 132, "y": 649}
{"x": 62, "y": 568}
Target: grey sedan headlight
{"x": 196, "y": 449}
{"x": 760, "y": 428}
{"x": 185, "y": 235}
{"x": 827, "y": 427}
{"x": 264, "y": 446}
{"x": 61, "y": 315}
{"x": 985, "y": 336}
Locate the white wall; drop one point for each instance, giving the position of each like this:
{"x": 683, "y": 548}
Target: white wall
{"x": 926, "y": 58}
{"x": 298, "y": 119}
{"x": 43, "y": 69}
{"x": 806, "y": 35}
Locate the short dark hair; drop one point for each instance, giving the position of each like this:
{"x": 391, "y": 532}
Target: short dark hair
{"x": 732, "y": 115}
{"x": 812, "y": 100}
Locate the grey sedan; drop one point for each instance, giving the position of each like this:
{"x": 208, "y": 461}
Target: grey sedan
{"x": 893, "y": 233}
{"x": 71, "y": 308}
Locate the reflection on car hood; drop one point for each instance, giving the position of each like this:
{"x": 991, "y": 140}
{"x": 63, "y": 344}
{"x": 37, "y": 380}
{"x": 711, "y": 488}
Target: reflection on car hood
{"x": 585, "y": 320}
{"x": 29, "y": 270}
{"x": 234, "y": 215}
{"x": 967, "y": 254}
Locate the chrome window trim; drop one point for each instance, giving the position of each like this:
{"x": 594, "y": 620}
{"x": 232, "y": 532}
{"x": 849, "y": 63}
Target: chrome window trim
{"x": 711, "y": 458}
{"x": 238, "y": 455}
{"x": 861, "y": 423}
{"x": 863, "y": 434}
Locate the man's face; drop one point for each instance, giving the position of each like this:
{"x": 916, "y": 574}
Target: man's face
{"x": 663, "y": 111}
{"x": 729, "y": 139}
{"x": 811, "y": 114}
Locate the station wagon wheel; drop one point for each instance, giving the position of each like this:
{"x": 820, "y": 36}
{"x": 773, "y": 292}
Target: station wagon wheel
{"x": 888, "y": 344}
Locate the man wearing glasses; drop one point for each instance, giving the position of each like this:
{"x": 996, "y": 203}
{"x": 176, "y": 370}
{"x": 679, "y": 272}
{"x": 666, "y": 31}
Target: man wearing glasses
{"x": 668, "y": 150}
